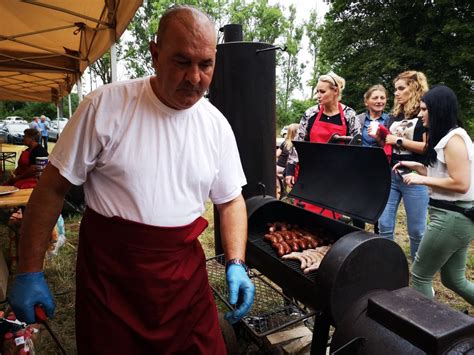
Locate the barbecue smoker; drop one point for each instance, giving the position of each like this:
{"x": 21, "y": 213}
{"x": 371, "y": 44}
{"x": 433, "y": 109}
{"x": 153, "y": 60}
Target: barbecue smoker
{"x": 360, "y": 287}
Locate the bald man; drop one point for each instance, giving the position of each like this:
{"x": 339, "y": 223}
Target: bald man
{"x": 150, "y": 153}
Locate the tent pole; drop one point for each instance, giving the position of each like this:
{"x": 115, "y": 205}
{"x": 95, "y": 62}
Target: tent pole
{"x": 79, "y": 88}
{"x": 113, "y": 61}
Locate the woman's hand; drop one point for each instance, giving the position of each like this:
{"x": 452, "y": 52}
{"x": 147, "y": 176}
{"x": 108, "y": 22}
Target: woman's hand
{"x": 414, "y": 179}
{"x": 391, "y": 139}
{"x": 411, "y": 165}
{"x": 373, "y": 132}
{"x": 289, "y": 181}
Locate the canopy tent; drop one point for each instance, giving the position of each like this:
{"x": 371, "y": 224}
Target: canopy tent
{"x": 46, "y": 45}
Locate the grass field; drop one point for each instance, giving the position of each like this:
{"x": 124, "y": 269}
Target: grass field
{"x": 60, "y": 274}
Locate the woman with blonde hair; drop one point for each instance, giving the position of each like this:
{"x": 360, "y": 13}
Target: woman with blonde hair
{"x": 408, "y": 138}
{"x": 375, "y": 99}
{"x": 320, "y": 122}
{"x": 285, "y": 148}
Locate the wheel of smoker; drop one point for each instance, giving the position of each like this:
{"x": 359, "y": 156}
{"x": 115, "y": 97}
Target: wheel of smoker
{"x": 228, "y": 333}
{"x": 356, "y": 264}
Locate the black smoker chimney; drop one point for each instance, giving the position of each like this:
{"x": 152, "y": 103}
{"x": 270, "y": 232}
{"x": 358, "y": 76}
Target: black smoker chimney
{"x": 243, "y": 89}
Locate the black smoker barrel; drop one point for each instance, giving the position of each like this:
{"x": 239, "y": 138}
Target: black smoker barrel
{"x": 402, "y": 322}
{"x": 243, "y": 89}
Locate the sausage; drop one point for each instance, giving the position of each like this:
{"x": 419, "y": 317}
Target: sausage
{"x": 279, "y": 248}
{"x": 278, "y": 237}
{"x": 286, "y": 247}
{"x": 294, "y": 245}
{"x": 312, "y": 243}
{"x": 270, "y": 238}
{"x": 302, "y": 243}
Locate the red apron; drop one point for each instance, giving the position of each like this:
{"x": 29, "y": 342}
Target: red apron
{"x": 142, "y": 289}
{"x": 23, "y": 165}
{"x": 321, "y": 132}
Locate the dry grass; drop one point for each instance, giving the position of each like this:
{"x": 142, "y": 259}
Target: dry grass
{"x": 60, "y": 274}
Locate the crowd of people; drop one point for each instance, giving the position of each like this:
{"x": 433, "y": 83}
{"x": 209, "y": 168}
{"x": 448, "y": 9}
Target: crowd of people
{"x": 141, "y": 274}
{"x": 41, "y": 125}
{"x": 430, "y": 154}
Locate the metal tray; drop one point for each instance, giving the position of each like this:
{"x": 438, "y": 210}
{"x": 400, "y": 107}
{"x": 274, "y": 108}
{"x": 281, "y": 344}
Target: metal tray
{"x": 271, "y": 310}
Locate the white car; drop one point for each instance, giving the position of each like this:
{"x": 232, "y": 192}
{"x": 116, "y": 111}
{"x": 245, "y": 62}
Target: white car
{"x": 16, "y": 119}
{"x": 284, "y": 131}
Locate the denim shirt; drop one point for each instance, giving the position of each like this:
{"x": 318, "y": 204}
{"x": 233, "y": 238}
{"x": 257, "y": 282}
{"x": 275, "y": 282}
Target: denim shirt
{"x": 365, "y": 120}
{"x": 43, "y": 127}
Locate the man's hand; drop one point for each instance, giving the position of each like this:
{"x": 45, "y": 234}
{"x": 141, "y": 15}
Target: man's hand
{"x": 239, "y": 284}
{"x": 28, "y": 290}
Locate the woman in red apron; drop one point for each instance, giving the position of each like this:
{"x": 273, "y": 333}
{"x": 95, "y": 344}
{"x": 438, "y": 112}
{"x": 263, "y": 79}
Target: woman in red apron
{"x": 319, "y": 123}
{"x": 25, "y": 175}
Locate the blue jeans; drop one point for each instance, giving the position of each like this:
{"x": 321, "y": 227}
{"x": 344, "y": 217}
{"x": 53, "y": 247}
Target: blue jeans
{"x": 415, "y": 200}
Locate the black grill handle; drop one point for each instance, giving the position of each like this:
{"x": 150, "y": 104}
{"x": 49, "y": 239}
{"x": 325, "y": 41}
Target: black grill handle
{"x": 261, "y": 186}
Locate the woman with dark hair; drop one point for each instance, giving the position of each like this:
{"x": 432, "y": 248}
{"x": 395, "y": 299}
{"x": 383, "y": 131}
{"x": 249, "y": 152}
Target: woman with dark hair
{"x": 449, "y": 172}
{"x": 407, "y": 138}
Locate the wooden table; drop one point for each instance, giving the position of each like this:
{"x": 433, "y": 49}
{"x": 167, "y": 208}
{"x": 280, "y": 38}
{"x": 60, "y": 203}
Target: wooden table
{"x": 15, "y": 199}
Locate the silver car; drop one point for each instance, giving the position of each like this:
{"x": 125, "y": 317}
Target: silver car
{"x": 54, "y": 132}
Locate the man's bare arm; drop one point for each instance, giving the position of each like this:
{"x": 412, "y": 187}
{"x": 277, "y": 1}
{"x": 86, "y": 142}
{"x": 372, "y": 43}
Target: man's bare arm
{"x": 41, "y": 215}
{"x": 233, "y": 227}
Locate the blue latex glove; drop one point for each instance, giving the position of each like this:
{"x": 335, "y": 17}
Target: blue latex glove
{"x": 28, "y": 290}
{"x": 239, "y": 283}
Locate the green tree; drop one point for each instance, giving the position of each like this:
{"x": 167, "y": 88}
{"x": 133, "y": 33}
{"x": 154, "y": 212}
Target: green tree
{"x": 142, "y": 29}
{"x": 370, "y": 42}
{"x": 145, "y": 24}
{"x": 314, "y": 37}
{"x": 291, "y": 69}
{"x": 260, "y": 21}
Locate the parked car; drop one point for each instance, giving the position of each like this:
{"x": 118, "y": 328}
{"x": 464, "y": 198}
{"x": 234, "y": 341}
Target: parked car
{"x": 12, "y": 132}
{"x": 54, "y": 132}
{"x": 14, "y": 119}
{"x": 279, "y": 141}
{"x": 284, "y": 131}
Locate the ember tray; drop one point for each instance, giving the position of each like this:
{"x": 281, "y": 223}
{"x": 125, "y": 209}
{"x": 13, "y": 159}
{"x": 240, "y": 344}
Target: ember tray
{"x": 271, "y": 310}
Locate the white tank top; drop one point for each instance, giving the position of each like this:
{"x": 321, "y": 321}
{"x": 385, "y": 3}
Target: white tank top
{"x": 440, "y": 169}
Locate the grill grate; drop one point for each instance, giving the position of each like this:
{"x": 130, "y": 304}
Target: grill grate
{"x": 257, "y": 240}
{"x": 271, "y": 311}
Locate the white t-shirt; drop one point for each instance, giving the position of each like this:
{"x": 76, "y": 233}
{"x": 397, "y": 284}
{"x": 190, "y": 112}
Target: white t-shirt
{"x": 145, "y": 162}
{"x": 440, "y": 169}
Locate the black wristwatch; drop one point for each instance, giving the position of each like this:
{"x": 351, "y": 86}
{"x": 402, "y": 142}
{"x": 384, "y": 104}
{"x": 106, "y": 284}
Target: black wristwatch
{"x": 399, "y": 142}
{"x": 236, "y": 262}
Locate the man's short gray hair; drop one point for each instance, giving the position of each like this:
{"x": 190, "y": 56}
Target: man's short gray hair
{"x": 180, "y": 12}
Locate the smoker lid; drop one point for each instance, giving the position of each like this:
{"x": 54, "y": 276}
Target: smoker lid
{"x": 352, "y": 180}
